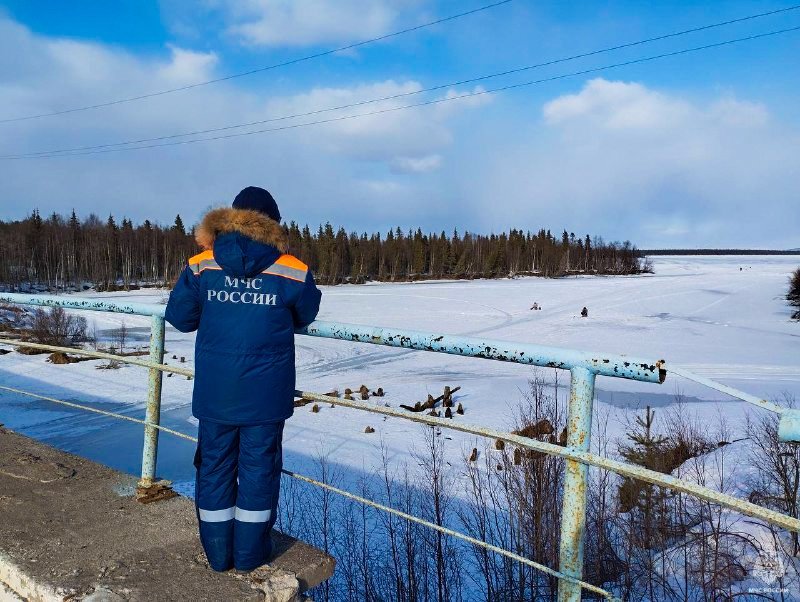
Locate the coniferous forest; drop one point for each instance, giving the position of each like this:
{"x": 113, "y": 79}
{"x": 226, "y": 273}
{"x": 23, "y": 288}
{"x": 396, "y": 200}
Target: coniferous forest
{"x": 62, "y": 253}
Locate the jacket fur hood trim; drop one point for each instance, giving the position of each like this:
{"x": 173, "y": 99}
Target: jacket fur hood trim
{"x": 247, "y": 222}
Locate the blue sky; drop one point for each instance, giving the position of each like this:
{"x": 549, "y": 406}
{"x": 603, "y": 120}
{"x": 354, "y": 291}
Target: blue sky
{"x": 698, "y": 150}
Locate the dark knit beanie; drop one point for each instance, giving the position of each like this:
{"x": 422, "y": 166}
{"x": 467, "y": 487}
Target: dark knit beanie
{"x": 259, "y": 200}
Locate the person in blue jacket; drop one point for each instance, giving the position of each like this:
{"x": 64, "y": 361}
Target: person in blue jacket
{"x": 244, "y": 295}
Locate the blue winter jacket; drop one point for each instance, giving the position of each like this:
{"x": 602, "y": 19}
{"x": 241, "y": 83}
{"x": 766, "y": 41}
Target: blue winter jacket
{"x": 244, "y": 298}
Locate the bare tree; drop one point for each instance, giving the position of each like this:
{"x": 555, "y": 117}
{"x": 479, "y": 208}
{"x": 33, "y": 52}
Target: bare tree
{"x": 57, "y": 327}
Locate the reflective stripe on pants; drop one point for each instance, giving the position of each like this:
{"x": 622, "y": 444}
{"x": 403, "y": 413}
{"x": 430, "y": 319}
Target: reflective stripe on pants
{"x": 246, "y": 516}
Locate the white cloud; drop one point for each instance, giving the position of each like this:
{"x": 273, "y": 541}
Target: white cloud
{"x": 405, "y": 138}
{"x": 634, "y": 162}
{"x": 616, "y": 106}
{"x": 310, "y": 22}
{"x": 339, "y": 171}
{"x": 188, "y": 67}
{"x": 40, "y": 74}
{"x": 461, "y": 99}
{"x": 739, "y": 114}
{"x": 381, "y": 188}
{"x": 416, "y": 164}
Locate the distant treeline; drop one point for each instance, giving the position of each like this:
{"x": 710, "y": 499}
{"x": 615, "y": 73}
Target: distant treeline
{"x": 63, "y": 253}
{"x": 66, "y": 252}
{"x": 644, "y": 252}
{"x": 336, "y": 256}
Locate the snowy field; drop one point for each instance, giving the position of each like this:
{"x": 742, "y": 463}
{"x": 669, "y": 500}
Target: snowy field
{"x": 701, "y": 313}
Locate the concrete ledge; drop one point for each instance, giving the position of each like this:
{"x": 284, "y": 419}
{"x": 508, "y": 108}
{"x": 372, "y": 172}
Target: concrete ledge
{"x": 70, "y": 529}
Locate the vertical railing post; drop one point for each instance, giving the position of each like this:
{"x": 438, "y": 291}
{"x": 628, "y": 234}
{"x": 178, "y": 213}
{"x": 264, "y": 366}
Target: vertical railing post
{"x": 573, "y": 506}
{"x": 153, "y": 412}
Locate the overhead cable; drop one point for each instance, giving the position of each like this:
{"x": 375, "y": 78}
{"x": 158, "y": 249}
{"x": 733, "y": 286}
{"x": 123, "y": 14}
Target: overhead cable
{"x": 420, "y": 104}
{"x": 437, "y": 87}
{"x": 259, "y": 69}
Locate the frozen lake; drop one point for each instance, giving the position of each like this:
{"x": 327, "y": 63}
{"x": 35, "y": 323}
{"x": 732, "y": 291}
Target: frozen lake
{"x": 702, "y": 313}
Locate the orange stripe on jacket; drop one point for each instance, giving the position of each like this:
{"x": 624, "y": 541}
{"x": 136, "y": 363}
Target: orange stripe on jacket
{"x": 286, "y": 266}
{"x": 292, "y": 262}
{"x": 200, "y": 257}
{"x": 203, "y": 261}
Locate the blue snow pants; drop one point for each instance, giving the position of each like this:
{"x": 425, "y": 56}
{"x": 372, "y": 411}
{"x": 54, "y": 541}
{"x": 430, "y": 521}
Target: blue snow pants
{"x": 236, "y": 493}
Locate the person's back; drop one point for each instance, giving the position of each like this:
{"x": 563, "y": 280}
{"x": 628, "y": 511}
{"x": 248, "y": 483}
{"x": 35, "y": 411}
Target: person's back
{"x": 245, "y": 296}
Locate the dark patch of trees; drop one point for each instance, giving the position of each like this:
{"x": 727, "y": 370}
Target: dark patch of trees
{"x": 793, "y": 296}
{"x": 336, "y": 256}
{"x": 58, "y": 253}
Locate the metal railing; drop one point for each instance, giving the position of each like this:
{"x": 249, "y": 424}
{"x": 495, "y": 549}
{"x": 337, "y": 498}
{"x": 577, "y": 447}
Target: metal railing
{"x": 584, "y": 367}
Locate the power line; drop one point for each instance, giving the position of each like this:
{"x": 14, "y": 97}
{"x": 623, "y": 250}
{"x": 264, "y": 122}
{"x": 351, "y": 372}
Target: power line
{"x": 406, "y": 94}
{"x": 426, "y": 103}
{"x": 260, "y": 69}
{"x": 422, "y": 104}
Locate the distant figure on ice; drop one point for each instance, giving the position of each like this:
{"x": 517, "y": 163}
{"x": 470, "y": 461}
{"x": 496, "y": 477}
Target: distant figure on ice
{"x": 535, "y": 306}
{"x": 584, "y": 313}
{"x": 245, "y": 296}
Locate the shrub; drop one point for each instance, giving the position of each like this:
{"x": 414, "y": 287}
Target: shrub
{"x": 793, "y": 296}
{"x": 12, "y": 318}
{"x": 57, "y": 327}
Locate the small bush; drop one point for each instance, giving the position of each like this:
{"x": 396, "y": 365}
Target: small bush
{"x": 59, "y": 357}
{"x": 119, "y": 337}
{"x": 12, "y": 318}
{"x": 793, "y": 296}
{"x": 57, "y": 327}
